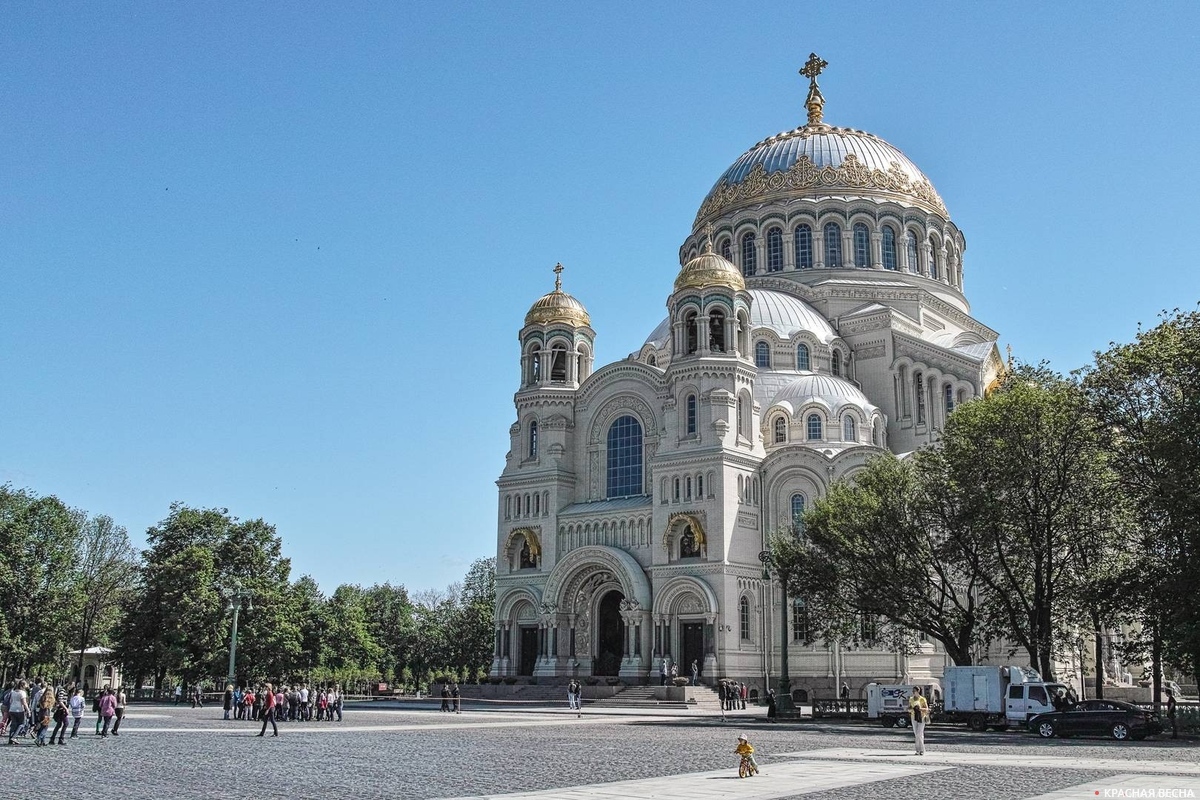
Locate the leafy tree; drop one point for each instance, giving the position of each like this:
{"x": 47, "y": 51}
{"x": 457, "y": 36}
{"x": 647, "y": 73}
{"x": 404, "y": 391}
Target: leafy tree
{"x": 309, "y": 608}
{"x": 349, "y": 650}
{"x": 391, "y": 625}
{"x": 107, "y": 567}
{"x": 1146, "y": 397}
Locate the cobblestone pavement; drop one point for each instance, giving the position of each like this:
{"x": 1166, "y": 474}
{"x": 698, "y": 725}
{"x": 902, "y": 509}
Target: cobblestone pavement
{"x": 179, "y": 752}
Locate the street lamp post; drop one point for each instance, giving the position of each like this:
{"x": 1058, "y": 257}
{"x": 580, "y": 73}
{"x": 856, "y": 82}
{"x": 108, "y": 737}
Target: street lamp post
{"x": 784, "y": 706}
{"x": 235, "y": 595}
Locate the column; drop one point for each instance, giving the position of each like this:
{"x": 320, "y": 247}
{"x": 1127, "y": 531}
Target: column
{"x": 702, "y": 322}
{"x": 848, "y": 246}
{"x": 877, "y": 250}
{"x": 789, "y": 252}
{"x": 818, "y": 248}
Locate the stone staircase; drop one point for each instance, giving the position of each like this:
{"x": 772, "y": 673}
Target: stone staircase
{"x": 706, "y": 700}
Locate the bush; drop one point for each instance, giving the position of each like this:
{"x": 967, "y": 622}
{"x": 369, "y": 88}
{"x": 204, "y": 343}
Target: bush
{"x": 681, "y": 681}
{"x": 591, "y": 681}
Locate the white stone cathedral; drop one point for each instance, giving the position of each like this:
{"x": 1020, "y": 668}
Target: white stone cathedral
{"x": 819, "y": 317}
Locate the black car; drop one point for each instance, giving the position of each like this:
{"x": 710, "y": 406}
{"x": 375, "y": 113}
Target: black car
{"x": 1112, "y": 718}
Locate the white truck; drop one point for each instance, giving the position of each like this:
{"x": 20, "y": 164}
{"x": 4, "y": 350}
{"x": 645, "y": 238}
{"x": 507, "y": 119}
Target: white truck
{"x": 888, "y": 702}
{"x": 988, "y": 696}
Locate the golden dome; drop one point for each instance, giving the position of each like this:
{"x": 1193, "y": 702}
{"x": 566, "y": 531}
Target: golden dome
{"x": 709, "y": 269}
{"x": 558, "y": 306}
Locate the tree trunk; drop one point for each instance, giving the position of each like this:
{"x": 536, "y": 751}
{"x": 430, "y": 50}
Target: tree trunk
{"x": 1099, "y": 658}
{"x": 1156, "y": 665}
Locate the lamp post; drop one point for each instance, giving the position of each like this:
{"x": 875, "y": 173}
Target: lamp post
{"x": 784, "y": 706}
{"x": 234, "y": 596}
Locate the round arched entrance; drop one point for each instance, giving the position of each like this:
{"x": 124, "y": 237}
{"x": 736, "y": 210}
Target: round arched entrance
{"x": 610, "y": 634}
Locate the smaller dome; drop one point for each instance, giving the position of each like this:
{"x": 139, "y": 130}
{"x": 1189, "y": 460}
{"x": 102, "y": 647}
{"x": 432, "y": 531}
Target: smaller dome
{"x": 709, "y": 269}
{"x": 833, "y": 393}
{"x": 558, "y": 306}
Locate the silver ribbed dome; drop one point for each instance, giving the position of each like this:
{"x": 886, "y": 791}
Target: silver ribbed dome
{"x": 775, "y": 311}
{"x": 826, "y": 390}
{"x": 821, "y": 160}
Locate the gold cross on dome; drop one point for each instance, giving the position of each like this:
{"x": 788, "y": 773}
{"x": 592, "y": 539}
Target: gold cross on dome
{"x": 813, "y": 67}
{"x": 558, "y": 268}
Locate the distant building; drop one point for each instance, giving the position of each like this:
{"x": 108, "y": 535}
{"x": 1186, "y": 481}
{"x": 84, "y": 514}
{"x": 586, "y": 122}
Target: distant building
{"x": 98, "y": 670}
{"x": 819, "y": 318}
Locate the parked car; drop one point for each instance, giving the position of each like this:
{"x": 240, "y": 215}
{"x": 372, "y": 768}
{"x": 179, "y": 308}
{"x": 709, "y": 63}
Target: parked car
{"x": 1112, "y": 718}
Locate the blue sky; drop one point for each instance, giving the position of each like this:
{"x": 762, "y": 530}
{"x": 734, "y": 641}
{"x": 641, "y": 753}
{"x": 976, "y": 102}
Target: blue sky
{"x": 274, "y": 257}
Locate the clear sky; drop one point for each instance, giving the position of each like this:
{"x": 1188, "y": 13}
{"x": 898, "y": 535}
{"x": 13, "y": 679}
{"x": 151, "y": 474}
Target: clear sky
{"x": 273, "y": 257}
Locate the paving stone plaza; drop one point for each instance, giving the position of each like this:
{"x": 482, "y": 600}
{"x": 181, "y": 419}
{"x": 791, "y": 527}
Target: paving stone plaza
{"x": 487, "y": 751}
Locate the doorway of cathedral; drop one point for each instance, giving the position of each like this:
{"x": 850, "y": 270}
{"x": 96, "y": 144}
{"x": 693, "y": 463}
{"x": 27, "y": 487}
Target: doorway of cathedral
{"x": 693, "y": 647}
{"x": 610, "y": 635}
{"x": 529, "y": 649}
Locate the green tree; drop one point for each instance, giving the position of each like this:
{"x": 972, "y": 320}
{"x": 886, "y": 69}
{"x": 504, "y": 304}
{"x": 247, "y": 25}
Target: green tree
{"x": 309, "y": 606}
{"x": 1146, "y": 398}
{"x": 350, "y": 651}
{"x": 390, "y": 623}
{"x": 106, "y": 570}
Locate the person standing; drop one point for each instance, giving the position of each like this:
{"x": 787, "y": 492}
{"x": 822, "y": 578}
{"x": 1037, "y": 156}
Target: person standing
{"x": 573, "y": 696}
{"x": 268, "y": 714}
{"x": 18, "y": 708}
{"x": 178, "y": 693}
{"x": 108, "y": 708}
{"x": 721, "y": 696}
{"x": 743, "y": 693}
{"x": 455, "y": 697}
{"x": 227, "y": 700}
{"x": 61, "y": 712}
{"x": 695, "y": 671}
{"x": 663, "y": 670}
{"x": 918, "y": 711}
{"x": 772, "y": 709}
{"x": 445, "y": 697}
{"x": 1171, "y": 711}
{"x": 674, "y": 672}
{"x": 76, "y": 705}
{"x": 339, "y": 696}
{"x": 119, "y": 710}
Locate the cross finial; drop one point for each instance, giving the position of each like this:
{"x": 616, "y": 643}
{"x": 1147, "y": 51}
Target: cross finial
{"x": 708, "y": 231}
{"x": 815, "y": 102}
{"x": 1010, "y": 358}
{"x": 558, "y": 268}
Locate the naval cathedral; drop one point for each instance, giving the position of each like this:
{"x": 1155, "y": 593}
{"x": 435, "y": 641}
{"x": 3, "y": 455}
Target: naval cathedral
{"x": 818, "y": 318}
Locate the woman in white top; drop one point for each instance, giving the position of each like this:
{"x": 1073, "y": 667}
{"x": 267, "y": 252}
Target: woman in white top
{"x": 18, "y": 709}
{"x": 76, "y": 706}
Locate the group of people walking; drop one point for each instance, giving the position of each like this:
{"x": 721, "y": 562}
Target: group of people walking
{"x": 28, "y": 708}
{"x": 451, "y": 699}
{"x": 271, "y": 704}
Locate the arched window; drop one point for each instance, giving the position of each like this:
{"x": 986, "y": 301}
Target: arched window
{"x": 833, "y": 245}
{"x": 889, "y": 247}
{"x": 624, "y": 457}
{"x": 775, "y": 250}
{"x": 780, "y": 430}
{"x": 688, "y": 546}
{"x": 533, "y": 439}
{"x": 690, "y": 413}
{"x": 797, "y": 508}
{"x": 558, "y": 363}
{"x": 749, "y": 253}
{"x": 741, "y": 417}
{"x": 677, "y": 490}
{"x": 537, "y": 504}
{"x": 699, "y": 486}
{"x": 687, "y": 485}
{"x": 726, "y": 250}
{"x": 814, "y": 427}
{"x": 535, "y": 364}
{"x": 744, "y": 618}
{"x": 716, "y": 332}
{"x": 835, "y": 364}
{"x": 919, "y": 391}
{"x": 762, "y": 355}
{"x": 948, "y": 398}
{"x": 862, "y": 246}
{"x": 803, "y": 246}
{"x": 934, "y": 252}
{"x": 914, "y": 264}
{"x": 849, "y": 431}
{"x": 875, "y": 439}
{"x": 690, "y": 333}
{"x": 802, "y": 360}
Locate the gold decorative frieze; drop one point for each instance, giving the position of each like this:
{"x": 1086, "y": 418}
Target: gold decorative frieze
{"x": 804, "y": 174}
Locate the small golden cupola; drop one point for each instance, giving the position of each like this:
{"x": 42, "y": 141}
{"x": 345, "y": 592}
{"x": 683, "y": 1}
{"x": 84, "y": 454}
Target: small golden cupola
{"x": 558, "y": 306}
{"x": 709, "y": 269}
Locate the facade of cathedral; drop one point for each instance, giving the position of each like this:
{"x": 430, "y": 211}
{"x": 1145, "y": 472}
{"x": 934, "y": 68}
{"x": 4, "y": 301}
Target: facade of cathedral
{"x": 818, "y": 318}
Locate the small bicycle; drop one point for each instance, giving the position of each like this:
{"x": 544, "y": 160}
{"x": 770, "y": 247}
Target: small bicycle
{"x": 746, "y": 768}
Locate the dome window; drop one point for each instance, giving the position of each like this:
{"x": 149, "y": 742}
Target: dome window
{"x": 862, "y": 246}
{"x": 849, "y": 434}
{"x": 802, "y": 358}
{"x": 835, "y": 364}
{"x": 889, "y": 247}
{"x": 749, "y": 253}
{"x": 780, "y": 430}
{"x": 804, "y": 247}
{"x": 691, "y": 334}
{"x": 762, "y": 355}
{"x": 933, "y": 260}
{"x": 726, "y": 250}
{"x": 914, "y": 264}
{"x": 533, "y": 439}
{"x": 833, "y": 245}
{"x": 558, "y": 364}
{"x": 814, "y": 427}
{"x": 624, "y": 450}
{"x": 775, "y": 250}
{"x": 716, "y": 332}
{"x": 535, "y": 364}
{"x": 690, "y": 406}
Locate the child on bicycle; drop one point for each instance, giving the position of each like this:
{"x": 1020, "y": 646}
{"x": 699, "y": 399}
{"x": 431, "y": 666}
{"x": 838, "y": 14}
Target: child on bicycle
{"x": 746, "y": 751}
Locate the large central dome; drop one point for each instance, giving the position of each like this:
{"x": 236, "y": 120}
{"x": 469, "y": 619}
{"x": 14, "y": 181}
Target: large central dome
{"x": 820, "y": 160}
